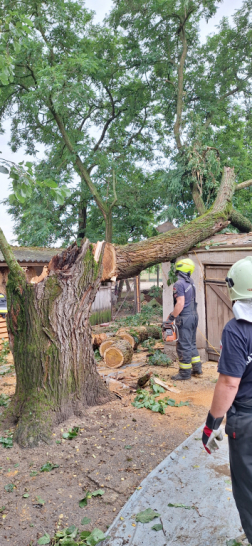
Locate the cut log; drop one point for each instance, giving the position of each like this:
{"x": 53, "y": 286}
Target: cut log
{"x": 106, "y": 344}
{"x": 118, "y": 354}
{"x": 137, "y": 335}
{"x": 97, "y": 339}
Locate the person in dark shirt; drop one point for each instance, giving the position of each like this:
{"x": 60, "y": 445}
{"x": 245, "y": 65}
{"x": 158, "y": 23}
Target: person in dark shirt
{"x": 186, "y": 319}
{"x": 233, "y": 391}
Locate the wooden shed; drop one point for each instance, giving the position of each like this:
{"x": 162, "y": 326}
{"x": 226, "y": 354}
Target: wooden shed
{"x": 213, "y": 258}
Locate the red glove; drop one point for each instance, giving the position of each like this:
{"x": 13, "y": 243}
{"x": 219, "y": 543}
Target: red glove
{"x": 211, "y": 432}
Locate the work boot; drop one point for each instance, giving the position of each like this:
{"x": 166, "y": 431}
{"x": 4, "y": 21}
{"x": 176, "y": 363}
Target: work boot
{"x": 197, "y": 369}
{"x": 183, "y": 375}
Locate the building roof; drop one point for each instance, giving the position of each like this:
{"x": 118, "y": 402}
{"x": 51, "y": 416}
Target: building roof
{"x": 28, "y": 254}
{"x": 225, "y": 240}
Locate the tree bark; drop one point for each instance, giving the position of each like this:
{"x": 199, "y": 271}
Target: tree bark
{"x": 240, "y": 222}
{"x": 51, "y": 341}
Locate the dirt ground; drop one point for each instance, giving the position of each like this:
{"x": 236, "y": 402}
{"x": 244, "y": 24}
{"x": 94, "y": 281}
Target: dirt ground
{"x": 117, "y": 446}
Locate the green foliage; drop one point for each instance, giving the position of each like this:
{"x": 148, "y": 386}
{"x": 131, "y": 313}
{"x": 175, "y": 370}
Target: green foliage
{"x": 159, "y": 359}
{"x": 45, "y": 539}
{"x": 4, "y": 400}
{"x": 149, "y": 401}
{"x": 172, "y": 276}
{"x": 72, "y": 433}
{"x": 181, "y": 506}
{"x": 6, "y": 441}
{"x": 4, "y": 351}
{"x": 155, "y": 292}
{"x": 9, "y": 487}
{"x": 83, "y": 502}
{"x": 157, "y": 527}
{"x": 47, "y": 467}
{"x": 147, "y": 316}
{"x": 72, "y": 537}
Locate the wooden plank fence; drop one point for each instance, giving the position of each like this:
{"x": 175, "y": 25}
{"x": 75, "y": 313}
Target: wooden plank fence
{"x": 3, "y": 331}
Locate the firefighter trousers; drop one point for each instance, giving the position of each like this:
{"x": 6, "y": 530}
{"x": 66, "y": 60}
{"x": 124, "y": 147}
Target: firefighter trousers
{"x": 187, "y": 351}
{"x": 239, "y": 431}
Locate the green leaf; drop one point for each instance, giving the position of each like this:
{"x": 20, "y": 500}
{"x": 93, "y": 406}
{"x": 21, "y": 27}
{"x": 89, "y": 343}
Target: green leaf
{"x": 233, "y": 542}
{"x": 85, "y": 521}
{"x": 72, "y": 433}
{"x": 181, "y": 506}
{"x": 98, "y": 493}
{"x": 4, "y": 170}
{"x": 47, "y": 467}
{"x": 26, "y": 495}
{"x": 127, "y": 447}
{"x": 83, "y": 502}
{"x": 157, "y": 527}
{"x": 147, "y": 515}
{"x": 45, "y": 539}
{"x": 40, "y": 500}
{"x": 50, "y": 183}
{"x": 85, "y": 534}
{"x": 95, "y": 537}
{"x": 33, "y": 473}
{"x": 9, "y": 487}
{"x": 6, "y": 442}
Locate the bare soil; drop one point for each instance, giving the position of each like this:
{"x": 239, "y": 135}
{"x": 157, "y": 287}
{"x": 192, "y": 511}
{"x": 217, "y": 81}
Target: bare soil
{"x": 117, "y": 446}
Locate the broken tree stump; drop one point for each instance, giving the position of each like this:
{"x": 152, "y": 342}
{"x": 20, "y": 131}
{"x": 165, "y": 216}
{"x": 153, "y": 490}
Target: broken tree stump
{"x": 118, "y": 354}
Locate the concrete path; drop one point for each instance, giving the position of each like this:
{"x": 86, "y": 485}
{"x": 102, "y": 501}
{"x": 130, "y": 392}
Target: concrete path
{"x": 187, "y": 476}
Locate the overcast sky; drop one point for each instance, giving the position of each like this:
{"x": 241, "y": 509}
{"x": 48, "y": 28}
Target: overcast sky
{"x": 101, "y": 8}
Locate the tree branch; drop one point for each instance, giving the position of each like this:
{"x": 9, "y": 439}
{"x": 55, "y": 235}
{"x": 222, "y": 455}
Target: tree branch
{"x": 131, "y": 259}
{"x": 240, "y": 222}
{"x": 243, "y": 185}
{"x": 10, "y": 259}
{"x": 181, "y": 65}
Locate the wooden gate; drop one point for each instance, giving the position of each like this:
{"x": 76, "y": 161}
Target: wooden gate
{"x": 218, "y": 306}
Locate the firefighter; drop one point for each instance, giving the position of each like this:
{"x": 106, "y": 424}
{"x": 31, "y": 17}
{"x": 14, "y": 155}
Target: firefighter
{"x": 233, "y": 391}
{"x": 3, "y": 305}
{"x": 186, "y": 319}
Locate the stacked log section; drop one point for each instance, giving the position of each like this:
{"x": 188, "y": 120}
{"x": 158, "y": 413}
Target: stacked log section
{"x": 106, "y": 344}
{"x": 137, "y": 335}
{"x": 3, "y": 331}
{"x": 118, "y": 354}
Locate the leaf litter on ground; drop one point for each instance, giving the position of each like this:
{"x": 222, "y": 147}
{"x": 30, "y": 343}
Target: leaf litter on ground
{"x": 149, "y": 401}
{"x": 72, "y": 433}
{"x": 69, "y": 536}
{"x": 181, "y": 506}
{"x": 157, "y": 527}
{"x": 147, "y": 515}
{"x": 47, "y": 467}
{"x": 89, "y": 495}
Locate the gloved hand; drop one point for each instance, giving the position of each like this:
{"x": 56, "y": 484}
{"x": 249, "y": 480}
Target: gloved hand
{"x": 212, "y": 432}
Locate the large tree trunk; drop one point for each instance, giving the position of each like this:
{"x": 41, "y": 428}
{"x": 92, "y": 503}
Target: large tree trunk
{"x": 52, "y": 345}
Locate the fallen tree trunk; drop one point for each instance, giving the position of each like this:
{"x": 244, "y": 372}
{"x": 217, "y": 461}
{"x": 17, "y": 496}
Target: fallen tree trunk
{"x": 118, "y": 354}
{"x": 137, "y": 335}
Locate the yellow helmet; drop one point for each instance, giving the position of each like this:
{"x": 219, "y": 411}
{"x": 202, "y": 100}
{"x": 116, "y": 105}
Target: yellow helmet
{"x": 185, "y": 265}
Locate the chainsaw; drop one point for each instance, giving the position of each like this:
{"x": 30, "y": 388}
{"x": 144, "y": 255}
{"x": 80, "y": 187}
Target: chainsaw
{"x": 170, "y": 332}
